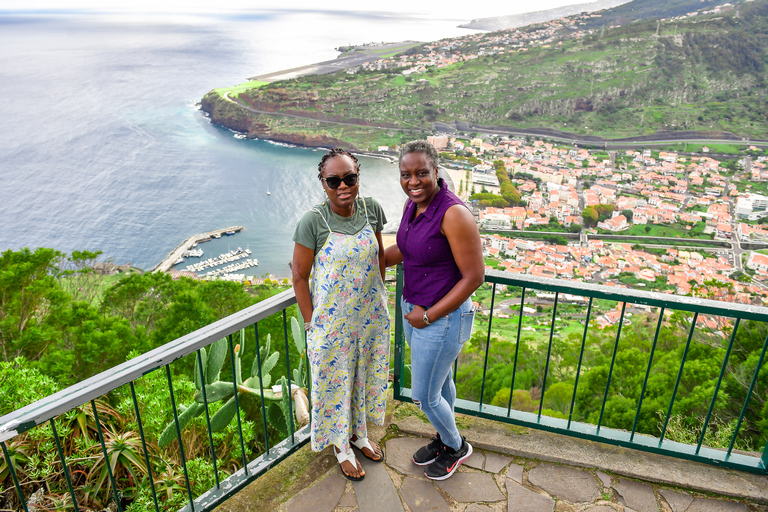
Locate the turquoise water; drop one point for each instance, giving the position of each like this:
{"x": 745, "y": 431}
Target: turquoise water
{"x": 102, "y": 146}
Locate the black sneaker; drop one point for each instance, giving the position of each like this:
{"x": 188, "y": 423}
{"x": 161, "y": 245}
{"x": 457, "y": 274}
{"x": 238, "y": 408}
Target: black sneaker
{"x": 448, "y": 461}
{"x": 427, "y": 454}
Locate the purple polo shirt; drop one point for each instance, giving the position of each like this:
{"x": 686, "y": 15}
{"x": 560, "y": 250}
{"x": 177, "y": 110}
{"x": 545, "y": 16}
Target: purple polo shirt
{"x": 430, "y": 270}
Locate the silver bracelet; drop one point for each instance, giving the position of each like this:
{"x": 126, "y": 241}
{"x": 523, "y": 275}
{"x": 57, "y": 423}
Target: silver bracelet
{"x": 425, "y": 318}
{"x": 307, "y": 325}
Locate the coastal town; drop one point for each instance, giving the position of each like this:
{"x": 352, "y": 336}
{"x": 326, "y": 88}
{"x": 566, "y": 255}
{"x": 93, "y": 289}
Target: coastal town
{"x": 547, "y": 34}
{"x": 685, "y": 219}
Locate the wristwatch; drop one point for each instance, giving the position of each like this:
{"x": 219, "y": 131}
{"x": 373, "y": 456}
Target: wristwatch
{"x": 425, "y": 318}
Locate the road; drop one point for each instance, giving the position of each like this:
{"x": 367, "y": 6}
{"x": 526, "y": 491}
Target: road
{"x": 374, "y": 52}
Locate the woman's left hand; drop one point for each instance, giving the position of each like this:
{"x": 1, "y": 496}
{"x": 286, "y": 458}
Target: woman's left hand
{"x": 416, "y": 317}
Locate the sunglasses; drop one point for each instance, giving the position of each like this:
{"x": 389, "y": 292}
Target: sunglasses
{"x": 334, "y": 182}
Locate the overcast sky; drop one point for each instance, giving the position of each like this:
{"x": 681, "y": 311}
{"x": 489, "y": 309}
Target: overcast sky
{"x": 460, "y": 9}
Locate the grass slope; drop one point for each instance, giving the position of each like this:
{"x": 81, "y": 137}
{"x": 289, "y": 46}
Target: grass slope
{"x": 704, "y": 73}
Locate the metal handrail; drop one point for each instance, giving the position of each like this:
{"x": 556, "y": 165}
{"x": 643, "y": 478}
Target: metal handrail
{"x": 84, "y": 391}
{"x": 597, "y": 432}
{"x": 49, "y": 408}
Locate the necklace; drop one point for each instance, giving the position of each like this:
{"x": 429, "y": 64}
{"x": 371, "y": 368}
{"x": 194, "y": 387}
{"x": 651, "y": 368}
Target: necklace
{"x": 339, "y": 218}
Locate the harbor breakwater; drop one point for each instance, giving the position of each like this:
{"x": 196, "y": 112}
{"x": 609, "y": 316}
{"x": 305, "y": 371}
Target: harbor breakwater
{"x": 176, "y": 254}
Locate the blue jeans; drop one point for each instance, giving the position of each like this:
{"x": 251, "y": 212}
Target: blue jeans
{"x": 433, "y": 350}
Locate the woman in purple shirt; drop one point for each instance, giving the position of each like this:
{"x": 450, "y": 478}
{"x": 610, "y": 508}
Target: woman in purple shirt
{"x": 439, "y": 246}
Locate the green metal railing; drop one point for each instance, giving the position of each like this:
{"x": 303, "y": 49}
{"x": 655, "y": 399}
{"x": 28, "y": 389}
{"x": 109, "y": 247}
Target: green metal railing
{"x": 46, "y": 410}
{"x": 525, "y": 288}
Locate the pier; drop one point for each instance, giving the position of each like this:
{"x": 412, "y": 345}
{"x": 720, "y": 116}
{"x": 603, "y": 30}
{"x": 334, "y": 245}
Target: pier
{"x": 174, "y": 255}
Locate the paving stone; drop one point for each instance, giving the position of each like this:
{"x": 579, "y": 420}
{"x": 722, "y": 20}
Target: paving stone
{"x": 478, "y": 508}
{"x": 495, "y": 462}
{"x": 400, "y": 455}
{"x": 421, "y": 496}
{"x": 348, "y": 500}
{"x": 599, "y": 508}
{"x": 515, "y": 472}
{"x": 469, "y": 487}
{"x": 520, "y": 499}
{"x": 604, "y": 478}
{"x": 376, "y": 492}
{"x": 321, "y": 497}
{"x": 678, "y": 501}
{"x": 637, "y": 495}
{"x": 564, "y": 506}
{"x": 563, "y": 482}
{"x": 476, "y": 460}
{"x": 709, "y": 505}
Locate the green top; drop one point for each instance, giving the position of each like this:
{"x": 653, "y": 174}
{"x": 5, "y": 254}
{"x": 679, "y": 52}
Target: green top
{"x": 312, "y": 231}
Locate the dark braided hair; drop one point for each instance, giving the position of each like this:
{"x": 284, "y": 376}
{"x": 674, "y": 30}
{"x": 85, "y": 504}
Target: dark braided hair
{"x": 334, "y": 153}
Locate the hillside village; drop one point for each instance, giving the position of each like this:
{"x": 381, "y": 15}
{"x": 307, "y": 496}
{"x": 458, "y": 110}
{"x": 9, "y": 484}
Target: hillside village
{"x": 639, "y": 192}
{"x": 459, "y": 49}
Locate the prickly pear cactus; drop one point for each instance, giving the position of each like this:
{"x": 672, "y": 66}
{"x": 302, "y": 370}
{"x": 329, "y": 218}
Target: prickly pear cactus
{"x": 215, "y": 390}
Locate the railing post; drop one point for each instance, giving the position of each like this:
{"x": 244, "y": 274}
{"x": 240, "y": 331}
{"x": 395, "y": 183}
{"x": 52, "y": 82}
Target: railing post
{"x": 64, "y": 464}
{"x": 178, "y": 437}
{"x": 717, "y": 386}
{"x": 237, "y": 403}
{"x": 106, "y": 456}
{"x": 261, "y": 386}
{"x": 399, "y": 341}
{"x": 487, "y": 347}
{"x": 288, "y": 374}
{"x": 679, "y": 377}
{"x": 763, "y": 459}
{"x": 647, "y": 374}
{"x": 144, "y": 444}
{"x": 549, "y": 354}
{"x": 613, "y": 362}
{"x": 12, "y": 469}
{"x": 207, "y": 420}
{"x": 581, "y": 358}
{"x": 517, "y": 351}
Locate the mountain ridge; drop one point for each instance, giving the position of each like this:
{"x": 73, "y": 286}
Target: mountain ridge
{"x": 695, "y": 73}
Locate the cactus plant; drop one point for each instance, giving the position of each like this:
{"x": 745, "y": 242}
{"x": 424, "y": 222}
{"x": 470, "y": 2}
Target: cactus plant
{"x": 221, "y": 390}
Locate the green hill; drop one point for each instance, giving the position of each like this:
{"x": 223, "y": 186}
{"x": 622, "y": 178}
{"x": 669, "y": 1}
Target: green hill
{"x": 704, "y": 73}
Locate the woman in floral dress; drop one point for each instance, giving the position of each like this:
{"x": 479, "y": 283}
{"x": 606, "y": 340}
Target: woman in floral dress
{"x": 338, "y": 243}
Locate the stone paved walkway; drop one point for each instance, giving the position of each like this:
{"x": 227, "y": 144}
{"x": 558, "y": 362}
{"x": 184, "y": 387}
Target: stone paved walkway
{"x": 502, "y": 481}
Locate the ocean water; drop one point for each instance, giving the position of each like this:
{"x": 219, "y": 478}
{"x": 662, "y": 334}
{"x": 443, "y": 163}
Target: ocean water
{"x": 102, "y": 146}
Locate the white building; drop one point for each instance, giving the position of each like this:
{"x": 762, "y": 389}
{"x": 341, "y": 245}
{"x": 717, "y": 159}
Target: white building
{"x": 751, "y": 207}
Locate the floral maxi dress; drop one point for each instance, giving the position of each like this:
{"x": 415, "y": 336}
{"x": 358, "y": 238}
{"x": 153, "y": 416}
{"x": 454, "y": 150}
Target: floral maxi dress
{"x": 348, "y": 341}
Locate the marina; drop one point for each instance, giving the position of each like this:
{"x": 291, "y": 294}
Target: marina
{"x": 227, "y": 257}
{"x": 190, "y": 243}
{"x": 234, "y": 267}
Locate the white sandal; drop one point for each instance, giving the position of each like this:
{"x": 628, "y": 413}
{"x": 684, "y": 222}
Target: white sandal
{"x": 362, "y": 442}
{"x": 348, "y": 456}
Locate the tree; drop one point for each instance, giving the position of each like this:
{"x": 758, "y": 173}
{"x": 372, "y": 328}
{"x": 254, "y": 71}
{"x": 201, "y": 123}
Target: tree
{"x": 589, "y": 215}
{"x": 628, "y": 214}
{"x": 79, "y": 278}
{"x": 604, "y": 211}
{"x": 30, "y": 298}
